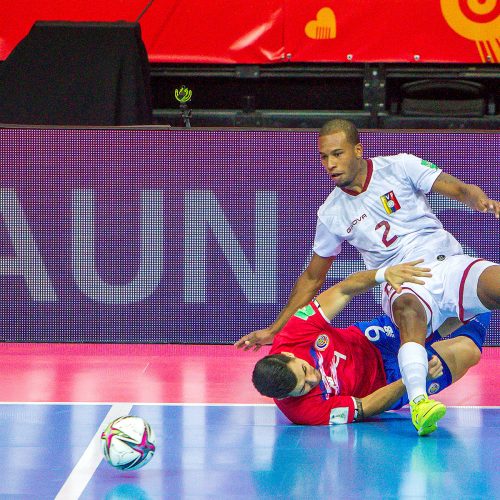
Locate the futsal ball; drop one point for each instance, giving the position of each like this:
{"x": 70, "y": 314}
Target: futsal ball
{"x": 128, "y": 443}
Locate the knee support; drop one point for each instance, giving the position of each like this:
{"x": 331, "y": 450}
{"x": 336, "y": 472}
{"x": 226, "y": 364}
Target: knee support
{"x": 438, "y": 384}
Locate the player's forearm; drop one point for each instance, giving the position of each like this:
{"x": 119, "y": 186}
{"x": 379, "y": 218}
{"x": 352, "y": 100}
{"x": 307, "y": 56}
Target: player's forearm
{"x": 469, "y": 195}
{"x": 473, "y": 196}
{"x": 451, "y": 187}
{"x": 304, "y": 290}
{"x": 383, "y": 398}
{"x": 334, "y": 299}
{"x": 358, "y": 283}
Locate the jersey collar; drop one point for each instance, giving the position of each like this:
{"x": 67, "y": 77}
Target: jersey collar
{"x": 369, "y": 171}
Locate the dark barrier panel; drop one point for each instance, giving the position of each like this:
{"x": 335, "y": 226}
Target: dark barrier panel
{"x": 77, "y": 74}
{"x": 188, "y": 236}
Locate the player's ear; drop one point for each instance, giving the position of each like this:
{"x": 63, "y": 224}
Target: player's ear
{"x": 358, "y": 150}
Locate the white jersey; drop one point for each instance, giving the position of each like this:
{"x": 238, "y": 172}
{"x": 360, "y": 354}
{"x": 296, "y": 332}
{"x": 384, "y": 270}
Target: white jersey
{"x": 390, "y": 220}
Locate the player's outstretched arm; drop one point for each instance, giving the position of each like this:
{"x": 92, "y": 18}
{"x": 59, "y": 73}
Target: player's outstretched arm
{"x": 334, "y": 299}
{"x": 382, "y": 399}
{"x": 305, "y": 288}
{"x": 469, "y": 194}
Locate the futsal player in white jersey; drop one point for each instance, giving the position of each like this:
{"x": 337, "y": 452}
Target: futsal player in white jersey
{"x": 379, "y": 206}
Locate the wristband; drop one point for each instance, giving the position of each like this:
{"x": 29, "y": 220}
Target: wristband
{"x": 359, "y": 414}
{"x": 380, "y": 275}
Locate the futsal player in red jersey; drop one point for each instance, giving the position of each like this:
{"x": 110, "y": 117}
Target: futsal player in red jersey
{"x": 320, "y": 375}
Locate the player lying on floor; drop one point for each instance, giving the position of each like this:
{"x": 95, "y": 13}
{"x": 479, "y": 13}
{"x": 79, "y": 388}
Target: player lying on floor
{"x": 319, "y": 374}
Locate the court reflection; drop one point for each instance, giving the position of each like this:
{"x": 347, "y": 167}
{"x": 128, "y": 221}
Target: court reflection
{"x": 127, "y": 492}
{"x": 383, "y": 458}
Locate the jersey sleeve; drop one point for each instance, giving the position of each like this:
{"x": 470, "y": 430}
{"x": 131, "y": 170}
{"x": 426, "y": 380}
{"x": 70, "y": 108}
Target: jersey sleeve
{"x": 326, "y": 243}
{"x": 314, "y": 410}
{"x": 305, "y": 324}
{"x": 422, "y": 173}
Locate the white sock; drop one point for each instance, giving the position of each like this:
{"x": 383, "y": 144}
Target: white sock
{"x": 412, "y": 359}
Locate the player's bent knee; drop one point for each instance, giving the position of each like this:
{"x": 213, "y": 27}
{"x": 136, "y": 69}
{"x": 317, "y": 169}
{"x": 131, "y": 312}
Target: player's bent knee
{"x": 468, "y": 356}
{"x": 488, "y": 288}
{"x": 459, "y": 354}
{"x": 407, "y": 306}
{"x": 409, "y": 316}
{"x": 474, "y": 354}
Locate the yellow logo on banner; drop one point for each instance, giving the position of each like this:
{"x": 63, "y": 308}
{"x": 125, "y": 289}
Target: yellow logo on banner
{"x": 324, "y": 26}
{"x": 477, "y": 20}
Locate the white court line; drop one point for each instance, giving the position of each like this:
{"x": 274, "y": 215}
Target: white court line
{"x": 84, "y": 470}
{"x": 100, "y": 403}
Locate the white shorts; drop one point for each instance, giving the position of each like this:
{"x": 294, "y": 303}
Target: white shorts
{"x": 451, "y": 292}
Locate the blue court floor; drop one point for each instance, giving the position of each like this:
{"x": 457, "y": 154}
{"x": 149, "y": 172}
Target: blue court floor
{"x": 249, "y": 451}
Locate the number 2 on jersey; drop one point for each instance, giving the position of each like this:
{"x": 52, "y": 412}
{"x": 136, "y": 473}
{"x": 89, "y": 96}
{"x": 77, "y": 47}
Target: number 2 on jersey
{"x": 385, "y": 236}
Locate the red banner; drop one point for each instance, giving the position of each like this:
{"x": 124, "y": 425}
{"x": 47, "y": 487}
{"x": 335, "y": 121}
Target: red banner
{"x": 270, "y": 31}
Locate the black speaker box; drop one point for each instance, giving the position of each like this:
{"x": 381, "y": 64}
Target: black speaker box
{"x": 65, "y": 73}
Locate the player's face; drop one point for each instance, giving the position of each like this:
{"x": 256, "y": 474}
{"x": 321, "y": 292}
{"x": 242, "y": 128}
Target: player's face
{"x": 308, "y": 377}
{"x": 342, "y": 160}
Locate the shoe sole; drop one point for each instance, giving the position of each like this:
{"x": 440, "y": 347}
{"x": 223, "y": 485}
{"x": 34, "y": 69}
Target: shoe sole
{"x": 431, "y": 418}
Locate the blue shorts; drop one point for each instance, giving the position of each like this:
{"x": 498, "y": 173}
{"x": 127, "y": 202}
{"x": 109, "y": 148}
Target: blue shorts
{"x": 384, "y": 335}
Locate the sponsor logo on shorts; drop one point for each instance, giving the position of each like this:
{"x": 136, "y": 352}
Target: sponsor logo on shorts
{"x": 389, "y": 331}
{"x": 390, "y": 202}
{"x": 339, "y": 415}
{"x": 433, "y": 388}
{"x": 322, "y": 342}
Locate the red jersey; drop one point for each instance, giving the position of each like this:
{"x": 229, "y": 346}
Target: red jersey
{"x": 349, "y": 364}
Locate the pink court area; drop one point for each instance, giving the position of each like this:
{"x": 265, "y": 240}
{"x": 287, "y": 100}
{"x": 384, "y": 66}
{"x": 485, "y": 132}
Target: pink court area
{"x": 166, "y": 373}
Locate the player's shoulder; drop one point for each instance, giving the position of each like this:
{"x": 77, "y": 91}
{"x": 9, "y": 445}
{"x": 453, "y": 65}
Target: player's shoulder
{"x": 330, "y": 201}
{"x": 310, "y": 317}
{"x": 392, "y": 161}
{"x": 304, "y": 327}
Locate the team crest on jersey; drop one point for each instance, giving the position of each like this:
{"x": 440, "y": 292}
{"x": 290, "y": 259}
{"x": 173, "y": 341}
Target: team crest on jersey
{"x": 322, "y": 342}
{"x": 390, "y": 202}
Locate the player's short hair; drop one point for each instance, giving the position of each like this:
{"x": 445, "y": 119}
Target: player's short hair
{"x": 339, "y": 125}
{"x": 272, "y": 377}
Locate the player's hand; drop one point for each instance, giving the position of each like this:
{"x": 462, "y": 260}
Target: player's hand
{"x": 408, "y": 272}
{"x": 435, "y": 368}
{"x": 489, "y": 206}
{"x": 255, "y": 340}
{"x": 477, "y": 199}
